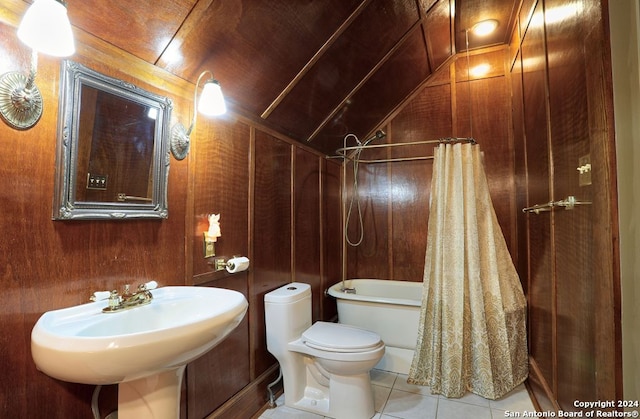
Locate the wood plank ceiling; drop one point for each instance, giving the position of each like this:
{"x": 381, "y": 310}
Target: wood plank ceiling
{"x": 314, "y": 70}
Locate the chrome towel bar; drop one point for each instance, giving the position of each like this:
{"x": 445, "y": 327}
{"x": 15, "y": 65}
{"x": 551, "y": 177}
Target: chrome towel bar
{"x": 569, "y": 203}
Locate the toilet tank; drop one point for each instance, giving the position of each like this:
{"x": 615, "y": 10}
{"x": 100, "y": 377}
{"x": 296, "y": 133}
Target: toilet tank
{"x": 287, "y": 313}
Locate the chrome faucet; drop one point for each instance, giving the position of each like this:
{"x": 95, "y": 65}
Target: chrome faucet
{"x": 128, "y": 300}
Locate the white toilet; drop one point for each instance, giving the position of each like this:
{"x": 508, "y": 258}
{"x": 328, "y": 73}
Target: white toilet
{"x": 325, "y": 367}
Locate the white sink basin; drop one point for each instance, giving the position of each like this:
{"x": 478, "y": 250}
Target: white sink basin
{"x": 82, "y": 344}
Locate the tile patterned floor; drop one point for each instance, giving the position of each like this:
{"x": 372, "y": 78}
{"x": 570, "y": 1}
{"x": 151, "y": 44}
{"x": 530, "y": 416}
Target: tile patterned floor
{"x": 395, "y": 399}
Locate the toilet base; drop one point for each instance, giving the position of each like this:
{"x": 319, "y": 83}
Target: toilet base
{"x": 351, "y": 398}
{"x": 310, "y": 404}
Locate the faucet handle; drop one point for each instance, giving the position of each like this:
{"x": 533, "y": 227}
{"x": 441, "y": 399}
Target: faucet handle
{"x": 114, "y": 300}
{"x": 151, "y": 285}
{"x": 100, "y": 295}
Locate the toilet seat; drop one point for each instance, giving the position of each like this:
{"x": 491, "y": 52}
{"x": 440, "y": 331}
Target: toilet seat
{"x": 334, "y": 337}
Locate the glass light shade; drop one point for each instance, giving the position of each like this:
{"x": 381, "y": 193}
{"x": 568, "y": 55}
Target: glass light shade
{"x": 485, "y": 27}
{"x": 45, "y": 27}
{"x": 211, "y": 100}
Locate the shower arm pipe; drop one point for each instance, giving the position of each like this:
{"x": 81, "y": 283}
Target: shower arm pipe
{"x": 568, "y": 203}
{"x": 342, "y": 152}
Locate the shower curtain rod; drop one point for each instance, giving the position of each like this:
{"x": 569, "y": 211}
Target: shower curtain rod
{"x": 342, "y": 152}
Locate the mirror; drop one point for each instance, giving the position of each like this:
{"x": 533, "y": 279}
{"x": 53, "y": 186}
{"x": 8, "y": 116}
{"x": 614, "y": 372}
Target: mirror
{"x": 112, "y": 153}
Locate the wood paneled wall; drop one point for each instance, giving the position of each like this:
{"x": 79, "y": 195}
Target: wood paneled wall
{"x": 562, "y": 108}
{"x": 546, "y": 104}
{"x": 274, "y": 199}
{"x": 394, "y": 197}
{"x": 278, "y": 201}
{"x": 279, "y": 205}
{"x": 45, "y": 264}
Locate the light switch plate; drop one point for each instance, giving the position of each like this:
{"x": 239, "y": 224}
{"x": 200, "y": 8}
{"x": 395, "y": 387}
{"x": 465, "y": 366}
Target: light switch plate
{"x": 95, "y": 181}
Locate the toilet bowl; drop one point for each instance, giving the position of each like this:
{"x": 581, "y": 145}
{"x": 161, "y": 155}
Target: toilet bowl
{"x": 325, "y": 366}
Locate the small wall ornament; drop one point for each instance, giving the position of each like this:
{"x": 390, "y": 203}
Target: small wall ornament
{"x": 211, "y": 235}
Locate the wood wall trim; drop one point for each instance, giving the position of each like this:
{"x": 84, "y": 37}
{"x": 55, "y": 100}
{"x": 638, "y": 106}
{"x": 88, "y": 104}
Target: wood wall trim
{"x": 511, "y": 145}
{"x": 614, "y": 299}
{"x": 191, "y": 22}
{"x": 249, "y": 400}
{"x": 416, "y": 26}
{"x": 433, "y": 80}
{"x": 608, "y": 337}
{"x": 343, "y": 219}
{"x": 292, "y": 184}
{"x": 544, "y": 399}
{"x": 252, "y": 225}
{"x": 391, "y": 264}
{"x": 322, "y": 165}
{"x": 454, "y": 101}
{"x": 316, "y": 57}
{"x": 552, "y": 215}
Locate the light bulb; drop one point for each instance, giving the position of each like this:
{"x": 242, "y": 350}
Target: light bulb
{"x": 211, "y": 100}
{"x": 45, "y": 27}
{"x": 485, "y": 27}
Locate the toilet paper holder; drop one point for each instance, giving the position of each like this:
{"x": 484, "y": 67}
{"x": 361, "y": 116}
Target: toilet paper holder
{"x": 219, "y": 263}
{"x": 222, "y": 263}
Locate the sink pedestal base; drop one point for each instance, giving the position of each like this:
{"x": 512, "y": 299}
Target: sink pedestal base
{"x": 153, "y": 397}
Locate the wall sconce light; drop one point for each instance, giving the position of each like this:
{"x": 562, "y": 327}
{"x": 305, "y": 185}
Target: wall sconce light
{"x": 211, "y": 235}
{"x": 45, "y": 28}
{"x": 211, "y": 104}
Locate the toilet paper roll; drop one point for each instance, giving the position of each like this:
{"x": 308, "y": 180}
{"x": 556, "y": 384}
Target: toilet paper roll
{"x": 238, "y": 264}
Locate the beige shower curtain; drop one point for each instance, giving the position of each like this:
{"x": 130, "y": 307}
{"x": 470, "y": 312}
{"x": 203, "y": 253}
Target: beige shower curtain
{"x": 472, "y": 333}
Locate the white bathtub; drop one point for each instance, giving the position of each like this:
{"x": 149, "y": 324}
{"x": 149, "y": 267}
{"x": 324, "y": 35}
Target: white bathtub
{"x": 389, "y": 308}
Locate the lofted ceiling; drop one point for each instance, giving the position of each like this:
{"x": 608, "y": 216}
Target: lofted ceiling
{"x": 312, "y": 69}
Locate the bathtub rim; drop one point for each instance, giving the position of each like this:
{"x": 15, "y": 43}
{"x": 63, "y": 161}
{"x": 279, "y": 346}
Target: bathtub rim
{"x": 335, "y": 292}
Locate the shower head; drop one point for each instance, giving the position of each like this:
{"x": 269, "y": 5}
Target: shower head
{"x": 377, "y": 136}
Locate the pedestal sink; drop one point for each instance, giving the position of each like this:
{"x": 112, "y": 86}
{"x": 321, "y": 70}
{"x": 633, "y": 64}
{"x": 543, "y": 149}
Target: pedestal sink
{"x": 143, "y": 349}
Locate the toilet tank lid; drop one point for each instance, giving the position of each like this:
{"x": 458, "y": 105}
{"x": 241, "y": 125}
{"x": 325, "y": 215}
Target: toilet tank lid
{"x": 340, "y": 337}
{"x": 288, "y": 293}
